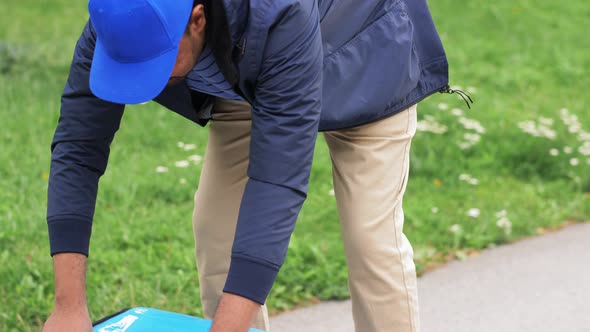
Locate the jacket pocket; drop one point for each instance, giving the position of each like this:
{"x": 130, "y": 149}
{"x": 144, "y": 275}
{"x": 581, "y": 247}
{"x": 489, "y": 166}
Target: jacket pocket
{"x": 377, "y": 67}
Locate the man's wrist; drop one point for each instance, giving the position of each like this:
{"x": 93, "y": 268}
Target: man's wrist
{"x": 70, "y": 302}
{"x": 70, "y": 281}
{"x": 234, "y": 314}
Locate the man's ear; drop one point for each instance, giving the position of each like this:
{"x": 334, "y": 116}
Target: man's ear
{"x": 197, "y": 21}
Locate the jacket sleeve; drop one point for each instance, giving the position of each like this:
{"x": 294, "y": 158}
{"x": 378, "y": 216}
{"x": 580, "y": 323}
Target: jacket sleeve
{"x": 285, "y": 118}
{"x": 80, "y": 151}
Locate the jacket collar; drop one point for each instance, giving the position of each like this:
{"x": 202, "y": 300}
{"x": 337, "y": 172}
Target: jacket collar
{"x": 237, "y": 12}
{"x": 226, "y": 24}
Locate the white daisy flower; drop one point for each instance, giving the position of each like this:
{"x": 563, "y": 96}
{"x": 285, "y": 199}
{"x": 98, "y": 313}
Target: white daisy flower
{"x": 583, "y": 136}
{"x": 443, "y": 106}
{"x": 574, "y": 162}
{"x": 180, "y": 144}
{"x": 195, "y": 158}
{"x": 573, "y": 120}
{"x": 472, "y": 137}
{"x": 546, "y": 121}
{"x": 568, "y": 118}
{"x": 554, "y": 152}
{"x": 501, "y": 214}
{"x": 505, "y": 224}
{"x": 188, "y": 147}
{"x": 574, "y": 128}
{"x": 585, "y": 149}
{"x": 431, "y": 126}
{"x": 181, "y": 164}
{"x": 529, "y": 127}
{"x": 455, "y": 229}
{"x": 473, "y": 213}
{"x": 568, "y": 149}
{"x": 434, "y": 210}
{"x": 472, "y": 124}
{"x": 464, "y": 177}
{"x": 547, "y": 132}
{"x": 161, "y": 169}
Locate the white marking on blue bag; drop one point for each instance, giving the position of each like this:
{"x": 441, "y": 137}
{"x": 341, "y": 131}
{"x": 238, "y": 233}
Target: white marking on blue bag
{"x": 120, "y": 326}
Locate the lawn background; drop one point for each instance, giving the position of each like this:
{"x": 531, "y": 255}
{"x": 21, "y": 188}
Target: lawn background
{"x": 525, "y": 59}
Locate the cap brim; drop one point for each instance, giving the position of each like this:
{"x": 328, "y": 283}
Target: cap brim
{"x": 130, "y": 83}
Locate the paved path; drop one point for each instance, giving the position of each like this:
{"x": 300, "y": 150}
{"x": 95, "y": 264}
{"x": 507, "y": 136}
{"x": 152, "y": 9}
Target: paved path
{"x": 535, "y": 285}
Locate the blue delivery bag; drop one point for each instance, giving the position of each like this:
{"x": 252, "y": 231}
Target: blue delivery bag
{"x": 152, "y": 320}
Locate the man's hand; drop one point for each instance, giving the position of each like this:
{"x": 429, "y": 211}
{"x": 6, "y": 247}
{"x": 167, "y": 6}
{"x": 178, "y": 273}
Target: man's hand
{"x": 234, "y": 314}
{"x": 66, "y": 320}
{"x": 70, "y": 313}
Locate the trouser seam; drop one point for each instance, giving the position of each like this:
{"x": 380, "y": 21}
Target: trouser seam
{"x": 405, "y": 170}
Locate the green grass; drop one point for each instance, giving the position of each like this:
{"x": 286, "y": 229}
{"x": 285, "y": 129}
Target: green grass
{"x": 526, "y": 58}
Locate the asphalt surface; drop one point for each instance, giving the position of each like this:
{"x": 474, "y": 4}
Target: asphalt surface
{"x": 540, "y": 284}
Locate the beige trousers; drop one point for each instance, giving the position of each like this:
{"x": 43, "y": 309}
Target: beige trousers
{"x": 370, "y": 170}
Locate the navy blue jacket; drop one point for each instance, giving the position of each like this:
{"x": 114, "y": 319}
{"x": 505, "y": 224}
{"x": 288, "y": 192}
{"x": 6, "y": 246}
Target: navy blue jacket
{"x": 305, "y": 66}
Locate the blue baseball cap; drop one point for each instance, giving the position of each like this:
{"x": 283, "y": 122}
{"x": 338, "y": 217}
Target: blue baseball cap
{"x": 136, "y": 47}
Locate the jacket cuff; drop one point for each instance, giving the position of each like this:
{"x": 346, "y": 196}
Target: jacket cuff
{"x": 69, "y": 235}
{"x": 250, "y": 279}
